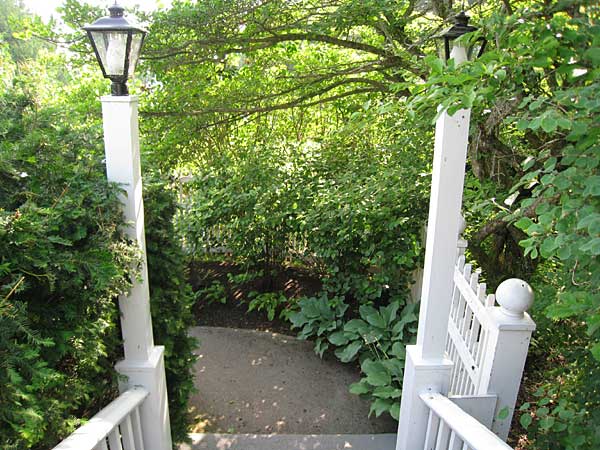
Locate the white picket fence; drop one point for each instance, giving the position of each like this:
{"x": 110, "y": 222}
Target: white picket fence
{"x": 116, "y": 427}
{"x": 487, "y": 346}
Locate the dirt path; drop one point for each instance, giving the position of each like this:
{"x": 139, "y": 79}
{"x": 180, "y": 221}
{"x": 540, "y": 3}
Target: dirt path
{"x": 262, "y": 382}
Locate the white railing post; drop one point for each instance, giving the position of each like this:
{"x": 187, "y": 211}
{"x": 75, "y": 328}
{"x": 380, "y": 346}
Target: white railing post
{"x": 426, "y": 367}
{"x": 144, "y": 362}
{"x": 506, "y": 350}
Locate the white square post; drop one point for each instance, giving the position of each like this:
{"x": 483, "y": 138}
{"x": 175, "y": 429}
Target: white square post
{"x": 506, "y": 350}
{"x": 143, "y": 364}
{"x": 427, "y": 369}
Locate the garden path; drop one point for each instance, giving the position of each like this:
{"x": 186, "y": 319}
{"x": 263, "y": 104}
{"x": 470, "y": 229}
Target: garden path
{"x": 262, "y": 382}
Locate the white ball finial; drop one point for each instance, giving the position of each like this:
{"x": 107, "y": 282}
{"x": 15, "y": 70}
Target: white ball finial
{"x": 514, "y": 297}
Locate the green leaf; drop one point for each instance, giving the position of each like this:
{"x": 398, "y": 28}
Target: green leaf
{"x": 549, "y": 123}
{"x": 359, "y": 388}
{"x": 592, "y": 247}
{"x": 380, "y": 406}
{"x": 593, "y": 55}
{"x": 377, "y": 374}
{"x": 547, "y": 422}
{"x": 372, "y": 316}
{"x": 387, "y": 392}
{"x": 524, "y": 223}
{"x": 338, "y": 338}
{"x": 398, "y": 350}
{"x": 388, "y": 313}
{"x": 503, "y": 413}
{"x": 596, "y": 351}
{"x": 395, "y": 411}
{"x": 525, "y": 420}
{"x": 566, "y": 414}
{"x": 348, "y": 353}
{"x": 298, "y": 319}
{"x": 356, "y": 326}
{"x": 542, "y": 412}
{"x": 592, "y": 186}
{"x": 320, "y": 346}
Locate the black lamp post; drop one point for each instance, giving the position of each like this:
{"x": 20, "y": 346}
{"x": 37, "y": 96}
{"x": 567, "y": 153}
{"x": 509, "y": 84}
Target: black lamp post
{"x": 461, "y": 26}
{"x": 117, "y": 43}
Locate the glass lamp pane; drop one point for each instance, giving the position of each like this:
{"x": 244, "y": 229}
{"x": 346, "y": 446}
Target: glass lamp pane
{"x": 100, "y": 42}
{"x": 115, "y": 53}
{"x": 134, "y": 54}
{"x": 111, "y": 46}
{"x": 475, "y": 49}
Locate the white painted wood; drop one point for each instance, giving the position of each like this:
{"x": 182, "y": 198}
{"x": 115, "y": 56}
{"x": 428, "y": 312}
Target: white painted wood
{"x": 154, "y": 413}
{"x": 420, "y": 375}
{"x": 472, "y": 432}
{"x": 470, "y": 297}
{"x": 137, "y": 429}
{"x": 144, "y": 362}
{"x": 471, "y": 368}
{"x": 127, "y": 434}
{"x": 443, "y": 435}
{"x": 514, "y": 296}
{"x": 121, "y": 145}
{"x": 94, "y": 432}
{"x": 455, "y": 442}
{"x": 426, "y": 365}
{"x": 503, "y": 363}
{"x": 480, "y": 407}
{"x": 442, "y": 230}
{"x": 114, "y": 439}
{"x": 433, "y": 422}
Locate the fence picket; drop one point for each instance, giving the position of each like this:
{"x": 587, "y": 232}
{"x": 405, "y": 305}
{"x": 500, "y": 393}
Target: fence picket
{"x": 127, "y": 434}
{"x": 137, "y": 429}
{"x": 114, "y": 439}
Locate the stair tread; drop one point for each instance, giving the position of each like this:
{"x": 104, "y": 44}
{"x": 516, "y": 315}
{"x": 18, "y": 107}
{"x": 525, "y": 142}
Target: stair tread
{"x": 214, "y": 441}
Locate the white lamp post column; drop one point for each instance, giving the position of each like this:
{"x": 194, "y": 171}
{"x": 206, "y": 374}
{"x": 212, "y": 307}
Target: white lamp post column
{"x": 427, "y": 368}
{"x": 143, "y": 364}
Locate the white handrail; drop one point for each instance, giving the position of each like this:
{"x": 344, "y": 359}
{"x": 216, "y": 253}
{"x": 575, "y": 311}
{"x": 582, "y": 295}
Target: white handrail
{"x": 123, "y": 412}
{"x": 456, "y": 422}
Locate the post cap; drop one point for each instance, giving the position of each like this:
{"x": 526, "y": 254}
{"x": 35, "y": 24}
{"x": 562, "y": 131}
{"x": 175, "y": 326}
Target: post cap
{"x": 514, "y": 296}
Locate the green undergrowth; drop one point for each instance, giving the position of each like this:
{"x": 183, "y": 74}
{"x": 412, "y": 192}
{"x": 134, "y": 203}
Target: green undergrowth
{"x": 63, "y": 262}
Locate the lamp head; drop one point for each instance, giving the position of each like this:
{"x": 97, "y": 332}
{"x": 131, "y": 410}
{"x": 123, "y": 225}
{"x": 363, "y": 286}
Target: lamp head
{"x": 461, "y": 27}
{"x": 117, "y": 43}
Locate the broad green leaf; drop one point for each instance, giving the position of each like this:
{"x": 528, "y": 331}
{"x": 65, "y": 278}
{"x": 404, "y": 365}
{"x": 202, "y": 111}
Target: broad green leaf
{"x": 338, "y": 338}
{"x": 348, "y": 353}
{"x": 359, "y": 388}
{"x": 525, "y": 420}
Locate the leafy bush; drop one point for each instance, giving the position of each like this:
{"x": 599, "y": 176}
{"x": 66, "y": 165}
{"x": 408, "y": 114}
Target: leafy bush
{"x": 562, "y": 404}
{"x": 266, "y": 301}
{"x": 377, "y": 339}
{"x": 171, "y": 301}
{"x": 63, "y": 260}
{"x": 318, "y": 317}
